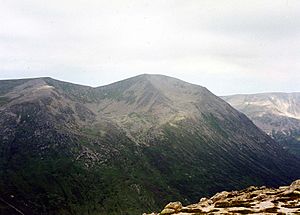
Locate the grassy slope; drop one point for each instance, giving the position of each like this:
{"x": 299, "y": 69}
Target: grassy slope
{"x": 125, "y": 184}
{"x": 290, "y": 142}
{"x": 184, "y": 165}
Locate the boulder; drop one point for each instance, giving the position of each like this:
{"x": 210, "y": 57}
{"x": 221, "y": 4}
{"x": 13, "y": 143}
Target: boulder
{"x": 177, "y": 206}
{"x": 296, "y": 184}
{"x": 220, "y": 196}
{"x": 167, "y": 211}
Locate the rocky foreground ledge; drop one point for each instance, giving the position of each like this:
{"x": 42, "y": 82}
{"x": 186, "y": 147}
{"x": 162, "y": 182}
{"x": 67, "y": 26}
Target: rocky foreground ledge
{"x": 253, "y": 200}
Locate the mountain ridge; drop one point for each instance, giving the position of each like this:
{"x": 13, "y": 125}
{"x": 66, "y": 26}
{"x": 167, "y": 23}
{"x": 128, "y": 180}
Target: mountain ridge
{"x": 116, "y": 148}
{"x": 278, "y": 114}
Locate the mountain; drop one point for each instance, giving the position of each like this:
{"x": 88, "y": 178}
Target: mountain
{"x": 278, "y": 114}
{"x": 127, "y": 147}
{"x": 253, "y": 200}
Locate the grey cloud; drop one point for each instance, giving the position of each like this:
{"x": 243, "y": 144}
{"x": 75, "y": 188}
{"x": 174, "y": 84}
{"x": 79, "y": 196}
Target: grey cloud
{"x": 236, "y": 43}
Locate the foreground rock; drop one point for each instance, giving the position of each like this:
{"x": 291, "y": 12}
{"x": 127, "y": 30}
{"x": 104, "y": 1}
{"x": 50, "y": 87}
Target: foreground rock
{"x": 284, "y": 200}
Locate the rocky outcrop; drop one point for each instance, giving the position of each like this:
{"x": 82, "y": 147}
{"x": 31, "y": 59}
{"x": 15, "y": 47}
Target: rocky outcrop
{"x": 253, "y": 200}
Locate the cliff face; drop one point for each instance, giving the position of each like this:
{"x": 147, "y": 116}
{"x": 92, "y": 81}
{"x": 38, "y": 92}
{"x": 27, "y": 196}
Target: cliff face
{"x": 253, "y": 200}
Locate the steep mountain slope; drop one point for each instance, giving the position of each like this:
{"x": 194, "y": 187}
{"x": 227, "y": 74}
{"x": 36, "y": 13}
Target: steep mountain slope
{"x": 278, "y": 114}
{"x": 128, "y": 147}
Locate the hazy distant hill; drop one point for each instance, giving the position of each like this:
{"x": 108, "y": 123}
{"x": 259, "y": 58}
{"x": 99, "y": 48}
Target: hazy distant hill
{"x": 278, "y": 114}
{"x": 127, "y": 147}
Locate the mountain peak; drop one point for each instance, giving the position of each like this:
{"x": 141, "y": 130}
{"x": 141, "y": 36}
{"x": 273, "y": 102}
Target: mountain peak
{"x": 147, "y": 92}
{"x": 158, "y": 78}
{"x": 129, "y": 142}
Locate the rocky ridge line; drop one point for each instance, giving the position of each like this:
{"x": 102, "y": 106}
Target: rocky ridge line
{"x": 253, "y": 200}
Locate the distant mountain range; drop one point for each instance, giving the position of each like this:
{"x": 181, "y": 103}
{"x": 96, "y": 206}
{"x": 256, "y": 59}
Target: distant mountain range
{"x": 128, "y": 147}
{"x": 278, "y": 114}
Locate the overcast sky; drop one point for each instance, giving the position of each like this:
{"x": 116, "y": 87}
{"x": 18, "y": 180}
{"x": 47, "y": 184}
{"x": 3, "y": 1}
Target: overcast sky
{"x": 228, "y": 46}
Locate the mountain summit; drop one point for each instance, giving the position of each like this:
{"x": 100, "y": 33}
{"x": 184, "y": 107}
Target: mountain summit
{"x": 127, "y": 147}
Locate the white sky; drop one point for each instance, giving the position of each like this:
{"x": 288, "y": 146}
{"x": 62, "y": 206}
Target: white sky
{"x": 228, "y": 46}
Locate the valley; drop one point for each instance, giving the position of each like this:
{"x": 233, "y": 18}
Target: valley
{"x": 277, "y": 114}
